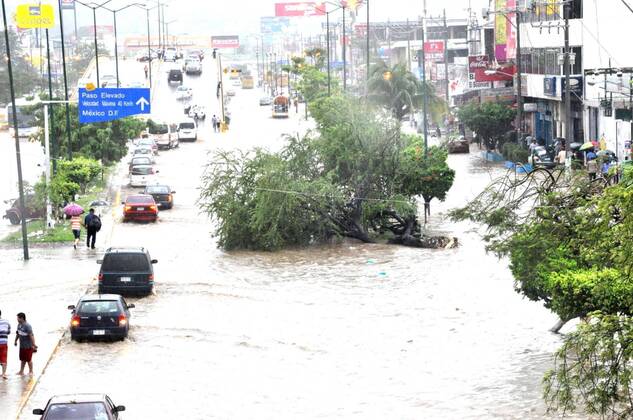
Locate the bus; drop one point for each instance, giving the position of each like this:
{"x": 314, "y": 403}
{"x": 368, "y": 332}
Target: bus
{"x": 27, "y": 123}
{"x": 280, "y": 106}
{"x": 248, "y": 82}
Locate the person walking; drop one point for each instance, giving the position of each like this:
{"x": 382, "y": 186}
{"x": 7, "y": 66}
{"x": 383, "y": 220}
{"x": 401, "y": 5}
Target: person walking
{"x": 5, "y": 330}
{"x": 75, "y": 226}
{"x": 214, "y": 122}
{"x": 93, "y": 225}
{"x": 25, "y": 335}
{"x": 592, "y": 169}
{"x": 146, "y": 70}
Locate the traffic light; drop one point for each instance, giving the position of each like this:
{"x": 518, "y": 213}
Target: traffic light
{"x": 226, "y": 70}
{"x": 214, "y": 53}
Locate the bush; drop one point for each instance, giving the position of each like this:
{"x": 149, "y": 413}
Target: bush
{"x": 515, "y": 152}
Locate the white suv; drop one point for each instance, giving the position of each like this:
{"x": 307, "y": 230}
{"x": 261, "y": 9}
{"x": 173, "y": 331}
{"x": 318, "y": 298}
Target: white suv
{"x": 188, "y": 130}
{"x": 163, "y": 134}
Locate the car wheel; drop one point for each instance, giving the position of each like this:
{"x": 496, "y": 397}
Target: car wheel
{"x": 14, "y": 218}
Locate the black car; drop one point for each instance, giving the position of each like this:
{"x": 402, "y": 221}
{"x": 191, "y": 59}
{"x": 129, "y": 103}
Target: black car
{"x": 100, "y": 316}
{"x": 163, "y": 195}
{"x": 175, "y": 75}
{"x": 80, "y": 406}
{"x": 126, "y": 271}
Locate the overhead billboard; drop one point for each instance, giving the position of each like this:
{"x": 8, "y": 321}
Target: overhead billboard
{"x": 273, "y": 24}
{"x": 511, "y": 31}
{"x": 299, "y": 9}
{"x": 30, "y": 16}
{"x": 68, "y": 4}
{"x": 434, "y": 50}
{"x": 225, "y": 41}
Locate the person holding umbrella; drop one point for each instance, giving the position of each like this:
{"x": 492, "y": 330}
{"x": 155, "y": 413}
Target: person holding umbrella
{"x": 74, "y": 211}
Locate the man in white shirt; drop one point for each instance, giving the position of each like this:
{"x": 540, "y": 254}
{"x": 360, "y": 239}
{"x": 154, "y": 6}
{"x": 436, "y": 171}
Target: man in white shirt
{"x": 5, "y": 330}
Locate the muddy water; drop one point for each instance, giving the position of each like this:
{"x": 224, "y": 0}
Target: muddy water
{"x": 341, "y": 331}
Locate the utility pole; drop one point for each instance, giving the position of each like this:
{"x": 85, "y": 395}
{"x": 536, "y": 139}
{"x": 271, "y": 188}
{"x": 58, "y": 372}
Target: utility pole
{"x": 61, "y": 26}
{"x": 448, "y": 103}
{"x": 424, "y": 93}
{"x": 329, "y": 77}
{"x": 50, "y": 98}
{"x": 223, "y": 124}
{"x": 344, "y": 53}
{"x": 18, "y": 156}
{"x": 519, "y": 72}
{"x": 367, "y": 5}
{"x": 568, "y": 119}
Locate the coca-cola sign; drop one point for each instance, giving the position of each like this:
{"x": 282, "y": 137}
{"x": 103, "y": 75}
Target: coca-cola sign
{"x": 481, "y": 70}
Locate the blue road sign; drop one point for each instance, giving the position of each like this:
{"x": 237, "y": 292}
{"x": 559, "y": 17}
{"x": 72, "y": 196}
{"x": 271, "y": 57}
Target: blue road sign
{"x": 109, "y": 104}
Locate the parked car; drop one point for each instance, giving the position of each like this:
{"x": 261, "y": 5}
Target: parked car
{"x": 197, "y": 53}
{"x": 459, "y": 145}
{"x": 142, "y": 175}
{"x": 174, "y": 75}
{"x": 541, "y": 157}
{"x": 126, "y": 270}
{"x": 187, "y": 130}
{"x": 80, "y": 406}
{"x": 139, "y": 160}
{"x": 163, "y": 133}
{"x": 184, "y": 92}
{"x": 100, "y": 316}
{"x": 265, "y": 101}
{"x": 162, "y": 194}
{"x": 196, "y": 112}
{"x": 141, "y": 207}
{"x": 33, "y": 210}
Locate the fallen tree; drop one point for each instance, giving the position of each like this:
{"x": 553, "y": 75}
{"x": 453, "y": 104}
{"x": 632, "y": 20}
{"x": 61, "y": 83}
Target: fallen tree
{"x": 359, "y": 177}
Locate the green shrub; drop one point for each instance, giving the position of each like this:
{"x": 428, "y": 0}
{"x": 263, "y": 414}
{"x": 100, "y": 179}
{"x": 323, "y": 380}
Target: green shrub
{"x": 515, "y": 153}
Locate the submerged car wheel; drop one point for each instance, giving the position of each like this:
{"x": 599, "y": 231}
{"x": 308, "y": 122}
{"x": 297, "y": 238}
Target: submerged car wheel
{"x": 14, "y": 218}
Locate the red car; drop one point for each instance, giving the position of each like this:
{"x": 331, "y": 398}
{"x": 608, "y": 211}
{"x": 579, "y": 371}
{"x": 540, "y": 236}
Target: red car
{"x": 141, "y": 208}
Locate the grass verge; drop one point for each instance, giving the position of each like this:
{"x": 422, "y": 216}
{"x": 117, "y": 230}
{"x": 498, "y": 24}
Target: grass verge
{"x": 36, "y": 229}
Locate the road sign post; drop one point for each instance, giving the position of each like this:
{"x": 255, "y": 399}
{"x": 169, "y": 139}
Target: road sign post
{"x": 107, "y": 104}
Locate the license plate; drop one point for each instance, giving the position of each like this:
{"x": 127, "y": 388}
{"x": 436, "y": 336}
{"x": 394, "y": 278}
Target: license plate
{"x": 126, "y": 279}
{"x": 98, "y": 332}
{"x": 140, "y": 208}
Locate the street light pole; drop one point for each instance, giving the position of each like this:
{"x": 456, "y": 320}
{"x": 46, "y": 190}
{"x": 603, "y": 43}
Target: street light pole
{"x": 344, "y": 52}
{"x": 329, "y": 75}
{"x": 367, "y": 39}
{"x": 425, "y": 92}
{"x": 94, "y": 28}
{"x": 50, "y": 98}
{"x": 61, "y": 26}
{"x": 149, "y": 51}
{"x": 18, "y": 157}
{"x": 568, "y": 119}
{"x": 116, "y": 50}
{"x": 519, "y": 73}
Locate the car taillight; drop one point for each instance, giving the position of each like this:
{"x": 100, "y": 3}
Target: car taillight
{"x": 150, "y": 277}
{"x": 153, "y": 208}
{"x": 75, "y": 321}
{"x": 128, "y": 208}
{"x": 100, "y": 277}
{"x": 122, "y": 320}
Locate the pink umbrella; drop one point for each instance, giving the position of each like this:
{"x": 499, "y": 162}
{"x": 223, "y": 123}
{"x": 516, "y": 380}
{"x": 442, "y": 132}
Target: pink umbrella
{"x": 73, "y": 209}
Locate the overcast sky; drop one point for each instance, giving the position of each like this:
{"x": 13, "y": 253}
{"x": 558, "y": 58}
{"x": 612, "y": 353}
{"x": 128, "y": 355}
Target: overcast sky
{"x": 230, "y": 16}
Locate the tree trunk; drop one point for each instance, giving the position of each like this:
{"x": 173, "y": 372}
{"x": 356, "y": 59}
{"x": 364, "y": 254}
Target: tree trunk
{"x": 558, "y": 326}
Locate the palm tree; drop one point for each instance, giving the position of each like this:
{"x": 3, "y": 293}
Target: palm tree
{"x": 400, "y": 91}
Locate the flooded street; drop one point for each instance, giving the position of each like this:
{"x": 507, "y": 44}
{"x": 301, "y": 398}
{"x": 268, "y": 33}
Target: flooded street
{"x": 342, "y": 331}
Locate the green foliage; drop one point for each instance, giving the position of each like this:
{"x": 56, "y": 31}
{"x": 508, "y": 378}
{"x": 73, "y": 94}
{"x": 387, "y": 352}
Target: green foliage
{"x": 80, "y": 170}
{"x": 515, "y": 152}
{"x": 593, "y": 369}
{"x": 399, "y": 91}
{"x": 26, "y": 78}
{"x": 317, "y": 57}
{"x": 490, "y": 120}
{"x": 313, "y": 84}
{"x": 72, "y": 178}
{"x": 105, "y": 141}
{"x": 354, "y": 179}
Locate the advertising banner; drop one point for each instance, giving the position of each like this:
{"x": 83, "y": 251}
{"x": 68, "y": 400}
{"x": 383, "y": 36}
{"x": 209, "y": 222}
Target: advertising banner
{"x": 478, "y": 65}
{"x": 30, "y": 16}
{"x": 511, "y": 31}
{"x": 225, "y": 41}
{"x": 501, "y": 30}
{"x": 300, "y": 9}
{"x": 434, "y": 50}
{"x": 68, "y": 4}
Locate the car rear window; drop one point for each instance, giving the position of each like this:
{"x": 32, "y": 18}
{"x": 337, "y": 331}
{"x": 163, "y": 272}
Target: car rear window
{"x": 142, "y": 170}
{"x": 126, "y": 262}
{"x": 158, "y": 129}
{"x": 187, "y": 126}
{"x": 77, "y": 411}
{"x": 141, "y": 161}
{"x": 157, "y": 189}
{"x": 136, "y": 199}
{"x": 98, "y": 306}
{"x": 142, "y": 151}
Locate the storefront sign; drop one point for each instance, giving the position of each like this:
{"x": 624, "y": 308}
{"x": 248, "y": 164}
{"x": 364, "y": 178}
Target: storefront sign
{"x": 479, "y": 67}
{"x": 501, "y": 30}
{"x": 300, "y": 9}
{"x": 549, "y": 86}
{"x": 225, "y": 41}
{"x": 575, "y": 84}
